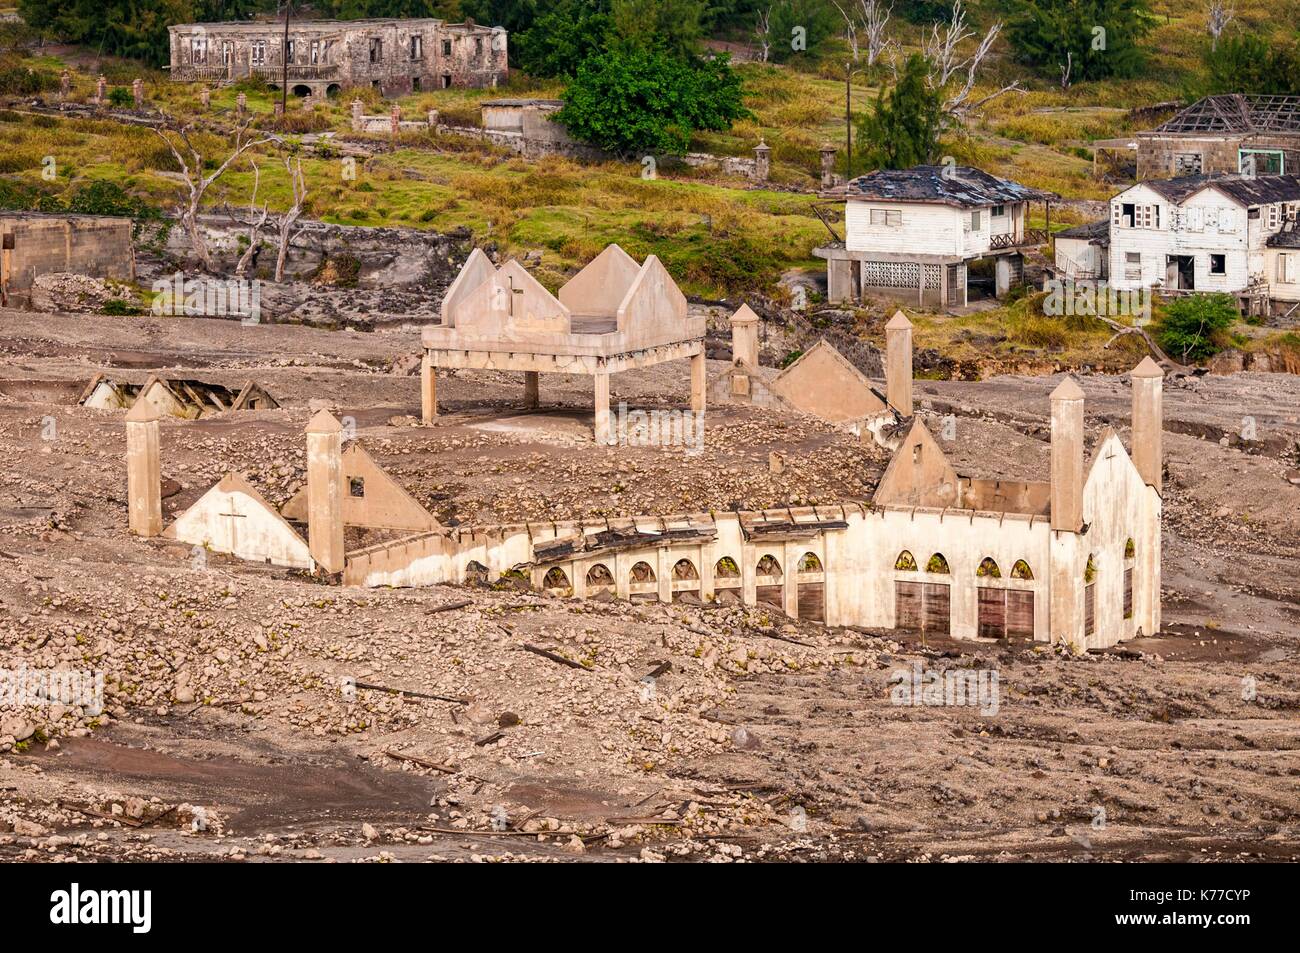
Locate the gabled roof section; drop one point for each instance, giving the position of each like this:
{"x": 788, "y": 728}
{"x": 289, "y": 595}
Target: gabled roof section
{"x": 477, "y": 269}
{"x": 654, "y": 308}
{"x": 232, "y": 517}
{"x": 1235, "y": 113}
{"x": 1095, "y": 233}
{"x": 962, "y": 186}
{"x": 1249, "y": 191}
{"x": 824, "y": 382}
{"x": 383, "y": 503}
{"x": 919, "y": 474}
{"x": 599, "y": 288}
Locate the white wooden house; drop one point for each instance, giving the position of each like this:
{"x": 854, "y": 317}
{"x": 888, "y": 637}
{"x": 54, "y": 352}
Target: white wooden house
{"x": 1207, "y": 233}
{"x": 910, "y": 234}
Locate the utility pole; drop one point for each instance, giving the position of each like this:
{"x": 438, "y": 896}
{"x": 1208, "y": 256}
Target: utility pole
{"x": 848, "y": 117}
{"x": 284, "y": 56}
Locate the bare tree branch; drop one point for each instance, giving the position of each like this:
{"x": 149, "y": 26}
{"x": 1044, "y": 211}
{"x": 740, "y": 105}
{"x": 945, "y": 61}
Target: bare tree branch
{"x": 1221, "y": 14}
{"x": 284, "y": 224}
{"x": 942, "y": 49}
{"x": 763, "y": 34}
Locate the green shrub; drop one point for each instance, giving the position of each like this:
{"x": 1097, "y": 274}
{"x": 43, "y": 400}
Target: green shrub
{"x": 121, "y": 97}
{"x": 1195, "y": 328}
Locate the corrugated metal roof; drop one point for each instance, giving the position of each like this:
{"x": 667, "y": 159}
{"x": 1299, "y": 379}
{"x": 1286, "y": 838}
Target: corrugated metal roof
{"x": 1248, "y": 190}
{"x": 962, "y": 186}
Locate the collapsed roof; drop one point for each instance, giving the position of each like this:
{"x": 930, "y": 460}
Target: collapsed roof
{"x": 1236, "y": 113}
{"x": 962, "y": 186}
{"x": 1248, "y": 190}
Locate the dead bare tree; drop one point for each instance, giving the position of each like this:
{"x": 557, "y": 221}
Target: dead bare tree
{"x": 942, "y": 50}
{"x": 1065, "y": 69}
{"x": 850, "y": 30}
{"x": 1221, "y": 14}
{"x": 763, "y": 34}
{"x": 197, "y": 183}
{"x": 256, "y": 219}
{"x": 875, "y": 18}
{"x": 284, "y": 224}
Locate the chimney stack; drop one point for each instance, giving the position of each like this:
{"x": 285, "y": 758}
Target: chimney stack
{"x": 143, "y": 477}
{"x": 898, "y": 363}
{"x": 325, "y": 491}
{"x": 1067, "y": 456}
{"x": 1148, "y": 422}
{"x": 744, "y": 336}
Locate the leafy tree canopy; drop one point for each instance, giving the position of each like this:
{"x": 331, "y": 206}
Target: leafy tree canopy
{"x": 1194, "y": 327}
{"x": 1252, "y": 64}
{"x": 904, "y": 129}
{"x": 1095, "y": 38}
{"x": 643, "y": 101}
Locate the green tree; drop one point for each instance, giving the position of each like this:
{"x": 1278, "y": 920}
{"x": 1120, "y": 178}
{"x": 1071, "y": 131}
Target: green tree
{"x": 637, "y": 101}
{"x": 1249, "y": 63}
{"x": 904, "y": 129}
{"x": 1195, "y": 327}
{"x": 559, "y": 40}
{"x": 1094, "y": 38}
{"x": 132, "y": 28}
{"x": 672, "y": 27}
{"x": 801, "y": 27}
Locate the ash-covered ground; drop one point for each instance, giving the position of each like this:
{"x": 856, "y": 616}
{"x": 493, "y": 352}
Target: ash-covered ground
{"x": 225, "y": 733}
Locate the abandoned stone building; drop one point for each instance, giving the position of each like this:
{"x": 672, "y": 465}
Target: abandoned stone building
{"x": 614, "y": 315}
{"x": 325, "y": 57}
{"x": 1074, "y": 558}
{"x": 921, "y": 236}
{"x": 1253, "y": 135}
{"x": 34, "y": 244}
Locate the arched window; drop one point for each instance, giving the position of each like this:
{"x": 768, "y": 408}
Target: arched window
{"x": 599, "y": 575}
{"x": 988, "y": 569}
{"x": 642, "y": 572}
{"x": 768, "y": 566}
{"x": 685, "y": 569}
{"x": 1021, "y": 570}
{"x": 556, "y": 579}
{"x": 1129, "y": 549}
{"x": 905, "y": 562}
{"x": 810, "y": 563}
{"x": 937, "y": 563}
{"x": 726, "y": 568}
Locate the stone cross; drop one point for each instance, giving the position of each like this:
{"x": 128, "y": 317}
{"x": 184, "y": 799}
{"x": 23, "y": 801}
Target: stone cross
{"x": 65, "y": 84}
{"x": 232, "y": 516}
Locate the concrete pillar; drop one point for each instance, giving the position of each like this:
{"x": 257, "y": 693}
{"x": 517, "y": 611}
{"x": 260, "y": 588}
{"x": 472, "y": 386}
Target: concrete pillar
{"x": 325, "y": 491}
{"x": 428, "y": 390}
{"x": 433, "y": 120}
{"x": 137, "y": 92}
{"x": 664, "y": 575}
{"x": 1067, "y": 456}
{"x": 358, "y": 113}
{"x": 532, "y": 389}
{"x": 65, "y": 84}
{"x": 101, "y": 90}
{"x": 699, "y": 383}
{"x": 143, "y": 476}
{"x": 278, "y": 109}
{"x": 395, "y": 119}
{"x": 762, "y": 161}
{"x": 790, "y": 578}
{"x": 706, "y": 561}
{"x": 1001, "y": 276}
{"x": 744, "y": 335}
{"x": 828, "y": 167}
{"x": 604, "y": 434}
{"x": 205, "y": 97}
{"x": 898, "y": 363}
{"x": 1148, "y": 422}
{"x": 241, "y": 104}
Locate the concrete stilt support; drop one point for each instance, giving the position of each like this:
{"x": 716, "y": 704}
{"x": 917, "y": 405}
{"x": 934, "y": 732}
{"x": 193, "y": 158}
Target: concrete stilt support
{"x": 1148, "y": 424}
{"x": 143, "y": 472}
{"x": 1067, "y": 457}
{"x": 428, "y": 390}
{"x": 325, "y": 491}
{"x": 699, "y": 383}
{"x": 604, "y": 433}
{"x": 898, "y": 363}
{"x": 532, "y": 389}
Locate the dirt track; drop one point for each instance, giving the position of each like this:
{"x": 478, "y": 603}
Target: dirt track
{"x": 1183, "y": 765}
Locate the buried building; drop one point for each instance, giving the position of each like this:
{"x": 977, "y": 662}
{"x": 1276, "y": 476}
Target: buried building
{"x": 1074, "y": 558}
{"x": 614, "y": 315}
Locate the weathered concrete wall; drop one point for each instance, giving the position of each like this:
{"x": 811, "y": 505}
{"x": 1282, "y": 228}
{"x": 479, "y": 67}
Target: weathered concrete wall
{"x": 823, "y": 383}
{"x": 233, "y": 518}
{"x": 46, "y": 244}
{"x": 1158, "y": 155}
